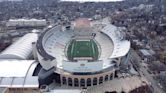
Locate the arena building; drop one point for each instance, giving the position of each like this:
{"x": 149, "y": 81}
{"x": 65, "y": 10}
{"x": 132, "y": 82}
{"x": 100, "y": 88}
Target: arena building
{"x": 83, "y": 57}
{"x": 87, "y": 53}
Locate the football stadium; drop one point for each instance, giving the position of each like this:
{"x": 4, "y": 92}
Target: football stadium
{"x": 87, "y": 53}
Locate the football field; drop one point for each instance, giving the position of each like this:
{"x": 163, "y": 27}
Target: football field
{"x": 80, "y": 49}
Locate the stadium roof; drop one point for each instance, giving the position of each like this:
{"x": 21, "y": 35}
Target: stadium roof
{"x": 21, "y": 49}
{"x": 18, "y": 73}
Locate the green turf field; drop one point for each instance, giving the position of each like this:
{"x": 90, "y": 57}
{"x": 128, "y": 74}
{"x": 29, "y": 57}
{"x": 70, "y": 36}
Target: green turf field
{"x": 82, "y": 49}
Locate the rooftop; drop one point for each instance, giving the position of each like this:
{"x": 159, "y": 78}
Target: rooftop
{"x": 20, "y": 73}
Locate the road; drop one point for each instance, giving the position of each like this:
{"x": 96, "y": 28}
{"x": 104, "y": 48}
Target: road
{"x": 144, "y": 73}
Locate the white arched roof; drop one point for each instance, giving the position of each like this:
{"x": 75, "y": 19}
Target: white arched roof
{"x": 16, "y": 68}
{"x": 18, "y": 73}
{"x": 21, "y": 49}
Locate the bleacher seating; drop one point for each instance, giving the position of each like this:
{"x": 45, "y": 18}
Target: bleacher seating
{"x": 106, "y": 45}
{"x": 57, "y": 42}
{"x": 121, "y": 47}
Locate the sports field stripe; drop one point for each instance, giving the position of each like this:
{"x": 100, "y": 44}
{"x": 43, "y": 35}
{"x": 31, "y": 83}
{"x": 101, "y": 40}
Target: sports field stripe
{"x": 93, "y": 48}
{"x": 90, "y": 49}
{"x": 75, "y": 50}
{"x": 72, "y": 48}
